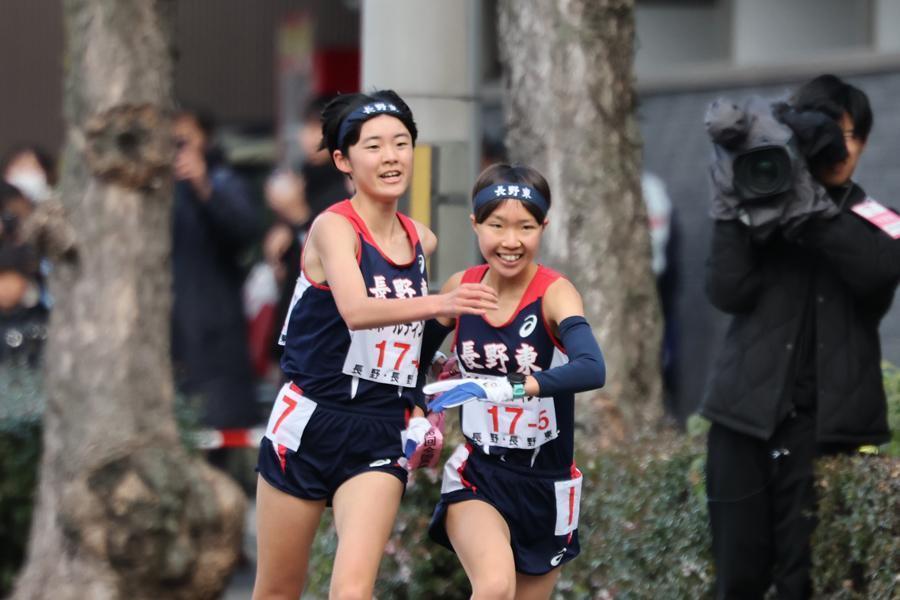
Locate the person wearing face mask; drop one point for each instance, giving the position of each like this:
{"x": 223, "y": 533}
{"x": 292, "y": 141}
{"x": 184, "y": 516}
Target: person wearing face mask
{"x": 799, "y": 373}
{"x": 31, "y": 170}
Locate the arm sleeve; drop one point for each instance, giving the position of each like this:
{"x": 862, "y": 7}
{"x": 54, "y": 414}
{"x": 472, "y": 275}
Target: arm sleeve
{"x": 585, "y": 370}
{"x": 733, "y": 279}
{"x": 432, "y": 338}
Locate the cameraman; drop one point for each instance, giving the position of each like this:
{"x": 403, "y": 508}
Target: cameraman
{"x": 799, "y": 375}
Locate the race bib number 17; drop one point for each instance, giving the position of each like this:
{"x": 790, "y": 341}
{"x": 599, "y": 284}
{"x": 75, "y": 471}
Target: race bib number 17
{"x": 386, "y": 355}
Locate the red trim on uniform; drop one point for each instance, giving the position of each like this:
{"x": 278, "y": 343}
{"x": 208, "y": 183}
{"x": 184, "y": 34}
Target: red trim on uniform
{"x": 346, "y": 210}
{"x": 316, "y": 284}
{"x": 574, "y": 473}
{"x": 296, "y": 388}
{"x": 462, "y": 467}
{"x": 535, "y": 290}
{"x": 544, "y": 320}
{"x": 282, "y": 457}
{"x": 474, "y": 274}
{"x": 471, "y": 275}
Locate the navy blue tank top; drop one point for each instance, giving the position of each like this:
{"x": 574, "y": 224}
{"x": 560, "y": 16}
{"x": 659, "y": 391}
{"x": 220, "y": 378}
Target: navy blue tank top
{"x": 541, "y": 437}
{"x": 373, "y": 369}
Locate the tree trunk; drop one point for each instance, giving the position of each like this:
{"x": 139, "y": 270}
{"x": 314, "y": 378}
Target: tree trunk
{"x": 123, "y": 509}
{"x": 570, "y": 113}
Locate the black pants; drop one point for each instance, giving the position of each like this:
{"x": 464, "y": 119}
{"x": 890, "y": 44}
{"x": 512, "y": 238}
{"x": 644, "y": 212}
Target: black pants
{"x": 762, "y": 510}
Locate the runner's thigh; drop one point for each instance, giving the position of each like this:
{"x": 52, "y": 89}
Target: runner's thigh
{"x": 480, "y": 538}
{"x": 365, "y": 507}
{"x": 285, "y": 528}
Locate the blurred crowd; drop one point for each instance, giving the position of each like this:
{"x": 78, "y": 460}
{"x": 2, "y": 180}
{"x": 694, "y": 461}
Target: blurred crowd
{"x": 27, "y": 177}
{"x": 236, "y": 242}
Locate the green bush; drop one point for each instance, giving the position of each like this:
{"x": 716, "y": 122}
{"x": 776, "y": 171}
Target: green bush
{"x": 21, "y": 405}
{"x": 644, "y": 531}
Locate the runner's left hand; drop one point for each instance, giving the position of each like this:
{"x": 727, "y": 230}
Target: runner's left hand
{"x": 422, "y": 443}
{"x": 454, "y": 392}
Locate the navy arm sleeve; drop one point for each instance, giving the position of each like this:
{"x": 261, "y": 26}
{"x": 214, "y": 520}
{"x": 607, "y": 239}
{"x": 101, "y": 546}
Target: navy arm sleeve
{"x": 432, "y": 338}
{"x": 585, "y": 370}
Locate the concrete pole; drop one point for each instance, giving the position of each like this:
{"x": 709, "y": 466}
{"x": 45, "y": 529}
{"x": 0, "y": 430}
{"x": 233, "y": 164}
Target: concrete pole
{"x": 428, "y": 51}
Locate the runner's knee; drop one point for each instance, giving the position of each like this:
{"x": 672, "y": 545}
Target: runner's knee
{"x": 350, "y": 589}
{"x": 263, "y": 591}
{"x": 494, "y": 586}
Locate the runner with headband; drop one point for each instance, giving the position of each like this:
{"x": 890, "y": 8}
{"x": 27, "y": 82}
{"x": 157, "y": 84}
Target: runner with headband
{"x": 510, "y": 494}
{"x": 352, "y": 339}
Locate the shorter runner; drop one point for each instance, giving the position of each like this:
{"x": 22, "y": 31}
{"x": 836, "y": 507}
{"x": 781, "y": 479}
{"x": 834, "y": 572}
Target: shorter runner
{"x": 510, "y": 494}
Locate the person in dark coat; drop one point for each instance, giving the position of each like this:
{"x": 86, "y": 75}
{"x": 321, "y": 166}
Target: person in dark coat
{"x": 214, "y": 221}
{"x": 799, "y": 374}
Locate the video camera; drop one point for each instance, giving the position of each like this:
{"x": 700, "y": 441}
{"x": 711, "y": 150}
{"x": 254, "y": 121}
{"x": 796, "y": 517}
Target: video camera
{"x": 764, "y": 156}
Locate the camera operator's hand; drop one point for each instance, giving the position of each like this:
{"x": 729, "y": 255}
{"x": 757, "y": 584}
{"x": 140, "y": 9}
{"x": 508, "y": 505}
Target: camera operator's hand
{"x": 820, "y": 137}
{"x": 190, "y": 166}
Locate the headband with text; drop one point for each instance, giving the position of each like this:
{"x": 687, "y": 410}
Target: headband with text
{"x": 364, "y": 113}
{"x": 516, "y": 191}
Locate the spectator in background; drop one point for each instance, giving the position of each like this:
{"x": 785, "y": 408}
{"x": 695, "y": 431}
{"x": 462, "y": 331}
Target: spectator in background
{"x": 31, "y": 170}
{"x": 295, "y": 200}
{"x": 664, "y": 247}
{"x": 22, "y": 317}
{"x": 214, "y": 221}
{"x": 285, "y": 195}
{"x": 323, "y": 184}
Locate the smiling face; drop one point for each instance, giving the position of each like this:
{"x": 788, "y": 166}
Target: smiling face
{"x": 509, "y": 238}
{"x": 380, "y": 163}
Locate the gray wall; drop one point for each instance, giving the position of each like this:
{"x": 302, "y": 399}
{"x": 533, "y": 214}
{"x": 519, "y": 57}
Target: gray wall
{"x": 225, "y": 49}
{"x": 31, "y": 39}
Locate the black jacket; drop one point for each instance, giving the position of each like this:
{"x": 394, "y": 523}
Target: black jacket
{"x": 845, "y": 269}
{"x": 209, "y": 331}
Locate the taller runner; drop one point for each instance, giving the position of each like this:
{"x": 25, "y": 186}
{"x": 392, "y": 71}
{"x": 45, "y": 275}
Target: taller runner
{"x": 352, "y": 340}
{"x": 510, "y": 494}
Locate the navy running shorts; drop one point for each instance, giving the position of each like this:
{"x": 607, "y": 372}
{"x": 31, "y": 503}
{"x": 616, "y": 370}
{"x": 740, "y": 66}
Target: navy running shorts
{"x": 310, "y": 448}
{"x": 541, "y": 510}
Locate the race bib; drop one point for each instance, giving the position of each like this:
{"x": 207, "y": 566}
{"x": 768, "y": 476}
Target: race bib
{"x": 568, "y": 501}
{"x": 289, "y": 417}
{"x": 880, "y": 216}
{"x": 524, "y": 424}
{"x": 386, "y": 354}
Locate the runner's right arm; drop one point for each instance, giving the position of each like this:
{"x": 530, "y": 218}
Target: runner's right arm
{"x": 335, "y": 243}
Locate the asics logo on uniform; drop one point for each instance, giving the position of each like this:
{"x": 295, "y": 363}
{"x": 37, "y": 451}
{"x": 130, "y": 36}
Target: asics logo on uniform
{"x": 421, "y": 263}
{"x": 380, "y": 462}
{"x": 558, "y": 558}
{"x": 528, "y": 326}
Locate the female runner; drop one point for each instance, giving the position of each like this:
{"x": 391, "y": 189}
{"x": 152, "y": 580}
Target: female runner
{"x": 510, "y": 495}
{"x": 352, "y": 340}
